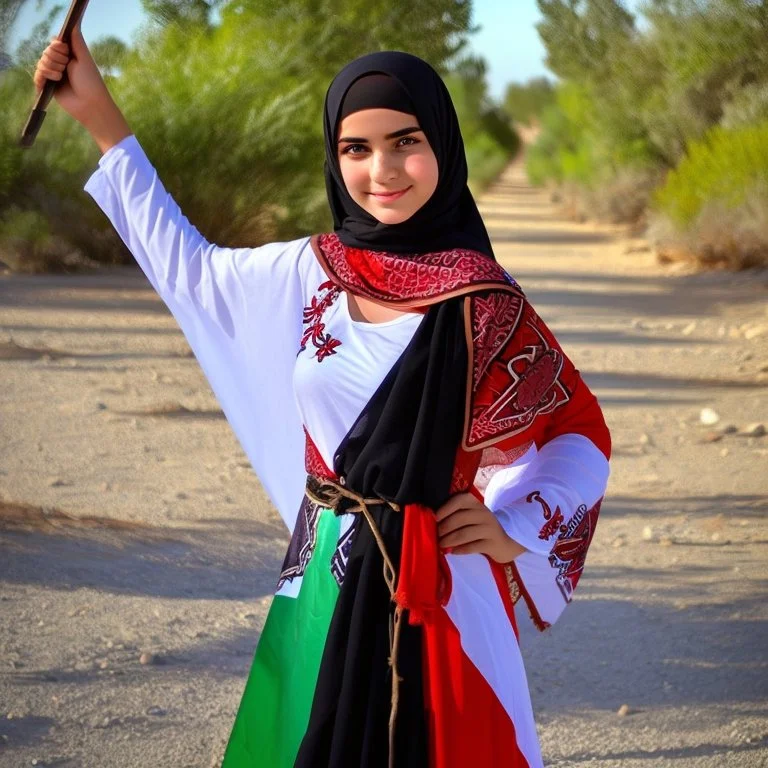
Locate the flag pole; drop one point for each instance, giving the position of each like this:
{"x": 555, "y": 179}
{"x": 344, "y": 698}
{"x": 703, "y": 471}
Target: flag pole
{"x": 37, "y": 115}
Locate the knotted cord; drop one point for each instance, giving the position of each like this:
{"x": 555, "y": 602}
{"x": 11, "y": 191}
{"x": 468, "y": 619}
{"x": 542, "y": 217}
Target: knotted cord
{"x": 329, "y": 494}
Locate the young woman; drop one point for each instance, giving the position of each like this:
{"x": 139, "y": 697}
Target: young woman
{"x": 418, "y": 427}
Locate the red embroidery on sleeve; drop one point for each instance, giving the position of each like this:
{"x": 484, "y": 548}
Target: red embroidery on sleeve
{"x": 551, "y": 527}
{"x": 553, "y": 522}
{"x": 570, "y": 550}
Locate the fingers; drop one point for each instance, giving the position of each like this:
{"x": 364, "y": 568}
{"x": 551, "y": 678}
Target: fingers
{"x": 52, "y": 63}
{"x": 59, "y": 46}
{"x": 41, "y": 75}
{"x": 466, "y": 535}
{"x": 478, "y": 547}
{"x": 459, "y": 519}
{"x": 459, "y": 501}
{"x": 53, "y": 59}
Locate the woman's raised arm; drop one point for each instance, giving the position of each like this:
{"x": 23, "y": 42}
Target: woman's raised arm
{"x": 84, "y": 95}
{"x": 239, "y": 308}
{"x": 192, "y": 275}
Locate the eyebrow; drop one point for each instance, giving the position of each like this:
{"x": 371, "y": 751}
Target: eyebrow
{"x": 395, "y": 135}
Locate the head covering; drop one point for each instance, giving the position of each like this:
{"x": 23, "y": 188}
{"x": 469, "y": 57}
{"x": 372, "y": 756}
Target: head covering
{"x": 375, "y": 92}
{"x": 449, "y": 219}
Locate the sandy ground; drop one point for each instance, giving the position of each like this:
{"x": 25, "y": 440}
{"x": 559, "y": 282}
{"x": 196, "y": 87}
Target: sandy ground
{"x": 138, "y": 552}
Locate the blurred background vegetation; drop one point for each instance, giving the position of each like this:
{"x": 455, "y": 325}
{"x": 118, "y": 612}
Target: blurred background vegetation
{"x": 230, "y": 113}
{"x": 657, "y": 119}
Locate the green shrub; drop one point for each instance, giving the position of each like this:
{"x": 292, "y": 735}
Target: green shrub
{"x": 713, "y": 207}
{"x": 748, "y": 106}
{"x": 542, "y": 159}
{"x": 497, "y": 125}
{"x": 486, "y": 160}
{"x": 724, "y": 166}
{"x": 720, "y": 236}
{"x": 25, "y": 241}
{"x": 230, "y": 115}
{"x": 525, "y": 103}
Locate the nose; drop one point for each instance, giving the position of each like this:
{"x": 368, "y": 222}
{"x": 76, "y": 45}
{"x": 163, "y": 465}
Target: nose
{"x": 383, "y": 168}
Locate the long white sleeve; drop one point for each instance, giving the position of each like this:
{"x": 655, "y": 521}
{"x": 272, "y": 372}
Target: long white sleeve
{"x": 239, "y": 308}
{"x": 565, "y": 474}
{"x": 548, "y": 501}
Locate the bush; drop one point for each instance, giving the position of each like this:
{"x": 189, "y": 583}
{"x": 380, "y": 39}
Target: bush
{"x": 724, "y": 166}
{"x": 26, "y": 244}
{"x": 720, "y": 236}
{"x": 747, "y": 107}
{"x": 486, "y": 160}
{"x": 497, "y": 125}
{"x": 542, "y": 159}
{"x": 624, "y": 198}
{"x": 713, "y": 207}
{"x": 525, "y": 103}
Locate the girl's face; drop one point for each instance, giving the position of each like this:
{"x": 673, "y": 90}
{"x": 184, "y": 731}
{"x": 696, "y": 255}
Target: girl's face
{"x": 386, "y": 162}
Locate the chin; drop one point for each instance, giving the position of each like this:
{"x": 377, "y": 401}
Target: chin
{"x": 391, "y": 217}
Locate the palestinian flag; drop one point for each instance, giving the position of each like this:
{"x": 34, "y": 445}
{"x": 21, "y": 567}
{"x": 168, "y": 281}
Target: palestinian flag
{"x": 476, "y": 706}
{"x": 275, "y": 707}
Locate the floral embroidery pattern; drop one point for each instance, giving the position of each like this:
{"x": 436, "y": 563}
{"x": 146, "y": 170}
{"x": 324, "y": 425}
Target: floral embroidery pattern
{"x": 313, "y": 318}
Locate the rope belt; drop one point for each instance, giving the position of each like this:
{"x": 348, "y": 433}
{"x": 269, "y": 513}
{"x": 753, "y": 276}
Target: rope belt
{"x": 332, "y": 494}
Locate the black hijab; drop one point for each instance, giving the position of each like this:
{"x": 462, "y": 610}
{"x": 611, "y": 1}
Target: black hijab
{"x": 449, "y": 219}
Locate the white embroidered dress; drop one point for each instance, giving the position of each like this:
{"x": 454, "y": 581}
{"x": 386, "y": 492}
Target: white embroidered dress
{"x": 276, "y": 366}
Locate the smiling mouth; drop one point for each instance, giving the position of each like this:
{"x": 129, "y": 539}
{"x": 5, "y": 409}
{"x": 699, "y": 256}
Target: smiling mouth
{"x": 386, "y": 197}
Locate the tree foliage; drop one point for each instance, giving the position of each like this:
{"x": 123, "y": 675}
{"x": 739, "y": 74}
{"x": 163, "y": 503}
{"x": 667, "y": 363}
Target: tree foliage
{"x": 226, "y": 98}
{"x": 583, "y": 37}
{"x": 488, "y": 135}
{"x": 642, "y": 97}
{"x": 192, "y": 12}
{"x": 9, "y": 10}
{"x": 525, "y": 103}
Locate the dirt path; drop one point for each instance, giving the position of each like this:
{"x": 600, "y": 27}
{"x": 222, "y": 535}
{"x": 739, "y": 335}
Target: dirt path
{"x": 138, "y": 553}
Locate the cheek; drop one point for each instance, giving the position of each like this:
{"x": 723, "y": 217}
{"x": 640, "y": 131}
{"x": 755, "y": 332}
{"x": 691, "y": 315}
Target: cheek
{"x": 423, "y": 170}
{"x": 354, "y": 175}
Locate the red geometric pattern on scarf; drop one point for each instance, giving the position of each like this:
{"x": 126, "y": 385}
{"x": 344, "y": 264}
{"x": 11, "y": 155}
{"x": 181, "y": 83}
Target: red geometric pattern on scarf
{"x": 392, "y": 277}
{"x": 515, "y": 370}
{"x": 517, "y": 381}
{"x": 495, "y": 317}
